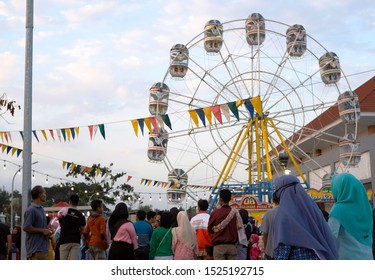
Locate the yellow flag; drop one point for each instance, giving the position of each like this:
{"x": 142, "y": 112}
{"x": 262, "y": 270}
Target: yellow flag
{"x": 257, "y": 104}
{"x": 148, "y": 124}
{"x": 44, "y": 135}
{"x": 135, "y": 126}
{"x": 194, "y": 116}
{"x": 208, "y": 113}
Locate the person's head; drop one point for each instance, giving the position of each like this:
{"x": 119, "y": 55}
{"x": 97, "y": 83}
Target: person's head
{"x": 141, "y": 215}
{"x": 157, "y": 218}
{"x": 225, "y": 196}
{"x": 173, "y": 212}
{"x": 202, "y": 205}
{"x": 151, "y": 216}
{"x": 120, "y": 211}
{"x": 97, "y": 206}
{"x": 346, "y": 187}
{"x": 165, "y": 219}
{"x": 38, "y": 194}
{"x": 74, "y": 199}
{"x": 283, "y": 183}
{"x": 244, "y": 216}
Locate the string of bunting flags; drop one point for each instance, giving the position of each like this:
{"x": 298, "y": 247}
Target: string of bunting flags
{"x": 146, "y": 182}
{"x": 152, "y": 123}
{"x": 62, "y": 134}
{"x": 251, "y": 104}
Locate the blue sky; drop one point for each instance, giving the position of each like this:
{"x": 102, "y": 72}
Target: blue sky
{"x": 94, "y": 62}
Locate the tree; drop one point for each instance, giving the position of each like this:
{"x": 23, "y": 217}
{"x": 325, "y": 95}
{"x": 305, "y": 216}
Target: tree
{"x": 101, "y": 183}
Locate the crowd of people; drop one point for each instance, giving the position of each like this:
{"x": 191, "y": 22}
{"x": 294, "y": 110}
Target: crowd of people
{"x": 295, "y": 229}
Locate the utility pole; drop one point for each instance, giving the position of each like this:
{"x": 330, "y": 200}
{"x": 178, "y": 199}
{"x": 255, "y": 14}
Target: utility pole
{"x": 27, "y": 118}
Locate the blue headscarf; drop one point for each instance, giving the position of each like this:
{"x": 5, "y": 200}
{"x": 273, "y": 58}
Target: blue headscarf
{"x": 299, "y": 222}
{"x": 352, "y": 208}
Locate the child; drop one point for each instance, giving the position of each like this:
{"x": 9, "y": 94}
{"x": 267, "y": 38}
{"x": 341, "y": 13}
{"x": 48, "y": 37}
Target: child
{"x": 254, "y": 247}
{"x": 95, "y": 232}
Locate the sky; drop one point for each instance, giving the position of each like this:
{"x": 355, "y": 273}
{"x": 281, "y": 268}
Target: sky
{"x": 95, "y": 61}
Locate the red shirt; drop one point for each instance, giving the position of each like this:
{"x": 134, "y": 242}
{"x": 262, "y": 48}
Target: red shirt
{"x": 227, "y": 235}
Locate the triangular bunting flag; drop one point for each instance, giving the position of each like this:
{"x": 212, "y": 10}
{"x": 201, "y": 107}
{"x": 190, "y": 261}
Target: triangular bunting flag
{"x": 9, "y": 148}
{"x": 44, "y": 134}
{"x": 76, "y": 129}
{"x": 208, "y": 114}
{"x": 148, "y": 124}
{"x": 154, "y": 124}
{"x": 72, "y": 132}
{"x": 36, "y": 136}
{"x": 129, "y": 177}
{"x": 3, "y": 147}
{"x": 249, "y": 107}
{"x": 64, "y": 164}
{"x": 14, "y": 150}
{"x": 51, "y": 133}
{"x": 217, "y": 113}
{"x": 167, "y": 121}
{"x": 6, "y": 136}
{"x": 90, "y": 131}
{"x": 194, "y": 117}
{"x": 58, "y": 132}
{"x": 102, "y": 130}
{"x": 233, "y": 107}
{"x": 201, "y": 116}
{"x": 141, "y": 125}
{"x": 135, "y": 126}
{"x": 159, "y": 120}
{"x": 19, "y": 151}
{"x": 21, "y": 134}
{"x": 67, "y": 131}
{"x": 257, "y": 103}
{"x": 62, "y": 130}
{"x": 225, "y": 110}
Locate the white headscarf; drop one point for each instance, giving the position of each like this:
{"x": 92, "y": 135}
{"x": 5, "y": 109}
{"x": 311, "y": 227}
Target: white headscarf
{"x": 184, "y": 231}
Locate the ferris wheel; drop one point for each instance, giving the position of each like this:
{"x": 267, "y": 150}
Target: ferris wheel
{"x": 248, "y": 99}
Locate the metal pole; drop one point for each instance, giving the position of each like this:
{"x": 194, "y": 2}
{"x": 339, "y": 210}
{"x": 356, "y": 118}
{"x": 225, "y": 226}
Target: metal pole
{"x": 12, "y": 196}
{"x": 11, "y": 200}
{"x": 27, "y": 123}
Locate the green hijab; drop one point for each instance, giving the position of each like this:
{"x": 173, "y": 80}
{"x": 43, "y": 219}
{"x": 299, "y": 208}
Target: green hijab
{"x": 352, "y": 208}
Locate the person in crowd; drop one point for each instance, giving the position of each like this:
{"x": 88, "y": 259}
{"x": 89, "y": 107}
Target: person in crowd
{"x": 254, "y": 252}
{"x": 243, "y": 250}
{"x": 223, "y": 227}
{"x": 52, "y": 240}
{"x": 16, "y": 243}
{"x": 35, "y": 226}
{"x": 72, "y": 223}
{"x": 324, "y": 212}
{"x": 5, "y": 241}
{"x": 94, "y": 234}
{"x": 299, "y": 229}
{"x": 373, "y": 233}
{"x": 184, "y": 241}
{"x": 144, "y": 231}
{"x": 157, "y": 220}
{"x": 161, "y": 239}
{"x": 254, "y": 228}
{"x": 266, "y": 228}
{"x": 174, "y": 211}
{"x": 199, "y": 223}
{"x": 123, "y": 235}
{"x": 350, "y": 218}
{"x": 151, "y": 216}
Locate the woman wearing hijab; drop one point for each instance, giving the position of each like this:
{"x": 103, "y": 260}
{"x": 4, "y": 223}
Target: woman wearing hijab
{"x": 184, "y": 241}
{"x": 300, "y": 231}
{"x": 351, "y": 218}
{"x": 123, "y": 235}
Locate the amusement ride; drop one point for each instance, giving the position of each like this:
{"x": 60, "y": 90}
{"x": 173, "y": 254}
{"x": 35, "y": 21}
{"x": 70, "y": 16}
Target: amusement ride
{"x": 243, "y": 98}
